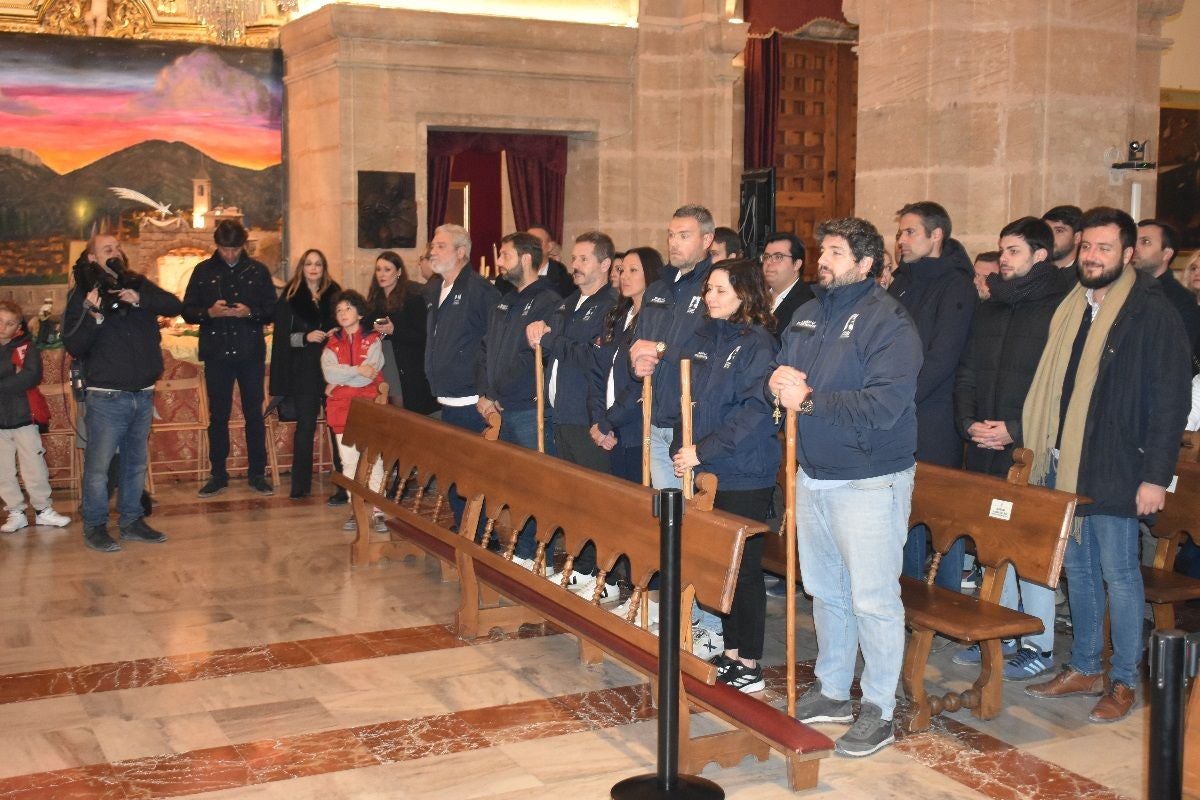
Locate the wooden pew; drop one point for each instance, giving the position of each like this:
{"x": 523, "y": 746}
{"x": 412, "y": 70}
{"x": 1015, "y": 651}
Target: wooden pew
{"x": 579, "y": 506}
{"x": 1179, "y": 519}
{"x": 1012, "y": 524}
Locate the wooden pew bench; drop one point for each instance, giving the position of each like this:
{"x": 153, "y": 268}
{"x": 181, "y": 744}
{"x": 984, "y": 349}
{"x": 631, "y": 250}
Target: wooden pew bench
{"x": 573, "y": 506}
{"x": 1012, "y": 525}
{"x": 1179, "y": 519}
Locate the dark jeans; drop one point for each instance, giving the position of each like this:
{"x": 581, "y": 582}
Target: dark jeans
{"x": 949, "y": 574}
{"x": 469, "y": 418}
{"x": 219, "y": 377}
{"x": 626, "y": 462}
{"x": 307, "y": 408}
{"x": 116, "y": 421}
{"x": 745, "y": 625}
{"x": 574, "y": 443}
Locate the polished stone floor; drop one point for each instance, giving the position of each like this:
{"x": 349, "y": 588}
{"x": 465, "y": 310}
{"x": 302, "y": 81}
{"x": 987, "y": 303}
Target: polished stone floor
{"x": 244, "y": 658}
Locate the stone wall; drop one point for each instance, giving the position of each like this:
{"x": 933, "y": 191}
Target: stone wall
{"x": 1002, "y": 109}
{"x": 648, "y": 112}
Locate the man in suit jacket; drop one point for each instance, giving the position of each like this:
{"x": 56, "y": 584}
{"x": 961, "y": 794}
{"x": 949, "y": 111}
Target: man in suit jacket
{"x": 555, "y": 273}
{"x": 783, "y": 268}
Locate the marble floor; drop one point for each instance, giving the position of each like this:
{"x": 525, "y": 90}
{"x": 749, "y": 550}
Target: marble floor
{"x": 244, "y": 658}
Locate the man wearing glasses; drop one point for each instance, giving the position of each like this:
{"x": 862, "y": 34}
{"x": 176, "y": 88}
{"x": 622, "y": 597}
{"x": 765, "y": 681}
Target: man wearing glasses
{"x": 783, "y": 266}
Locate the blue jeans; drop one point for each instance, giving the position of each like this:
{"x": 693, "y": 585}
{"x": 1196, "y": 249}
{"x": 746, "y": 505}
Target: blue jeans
{"x": 850, "y": 545}
{"x": 520, "y": 428}
{"x": 662, "y": 469}
{"x": 467, "y": 417}
{"x": 1106, "y": 555}
{"x": 1035, "y": 600}
{"x": 950, "y": 568}
{"x": 116, "y": 421}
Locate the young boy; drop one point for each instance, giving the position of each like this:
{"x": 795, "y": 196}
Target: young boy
{"x": 20, "y": 371}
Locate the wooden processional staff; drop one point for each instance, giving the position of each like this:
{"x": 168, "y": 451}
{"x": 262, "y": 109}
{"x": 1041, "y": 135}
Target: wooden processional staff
{"x": 789, "y": 532}
{"x": 685, "y": 417}
{"x": 647, "y": 411}
{"x": 539, "y": 372}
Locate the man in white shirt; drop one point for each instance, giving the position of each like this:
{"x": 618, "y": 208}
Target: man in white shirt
{"x": 783, "y": 269}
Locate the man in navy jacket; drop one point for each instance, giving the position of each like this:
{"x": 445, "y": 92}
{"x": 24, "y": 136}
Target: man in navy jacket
{"x": 849, "y": 366}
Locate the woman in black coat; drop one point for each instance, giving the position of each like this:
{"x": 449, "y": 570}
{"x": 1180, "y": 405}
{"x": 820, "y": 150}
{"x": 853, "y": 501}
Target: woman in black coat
{"x": 303, "y": 319}
{"x": 397, "y": 311}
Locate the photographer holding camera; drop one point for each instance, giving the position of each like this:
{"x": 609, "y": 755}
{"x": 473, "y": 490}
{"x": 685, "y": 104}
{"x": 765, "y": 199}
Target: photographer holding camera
{"x": 231, "y": 296}
{"x": 111, "y": 327}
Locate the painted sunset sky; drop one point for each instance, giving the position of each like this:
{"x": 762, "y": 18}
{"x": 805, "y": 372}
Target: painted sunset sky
{"x": 73, "y": 100}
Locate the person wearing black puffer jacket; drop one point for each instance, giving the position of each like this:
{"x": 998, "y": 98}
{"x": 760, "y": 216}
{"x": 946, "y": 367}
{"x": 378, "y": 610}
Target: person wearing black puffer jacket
{"x": 303, "y": 319}
{"x": 1008, "y": 335}
{"x": 935, "y": 285}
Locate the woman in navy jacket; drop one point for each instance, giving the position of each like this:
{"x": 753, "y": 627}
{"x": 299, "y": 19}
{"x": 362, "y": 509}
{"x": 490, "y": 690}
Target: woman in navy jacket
{"x": 736, "y": 439}
{"x": 620, "y": 422}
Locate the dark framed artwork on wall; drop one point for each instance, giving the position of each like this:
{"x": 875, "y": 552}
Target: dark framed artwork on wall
{"x": 387, "y": 209}
{"x": 1178, "y": 199}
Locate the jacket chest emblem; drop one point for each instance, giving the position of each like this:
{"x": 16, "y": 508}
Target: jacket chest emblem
{"x": 805, "y": 325}
{"x": 528, "y": 307}
{"x": 457, "y": 300}
{"x": 848, "y": 328}
{"x": 657, "y": 301}
{"x": 693, "y": 304}
{"x": 504, "y": 307}
{"x": 587, "y": 315}
{"x": 732, "y": 355}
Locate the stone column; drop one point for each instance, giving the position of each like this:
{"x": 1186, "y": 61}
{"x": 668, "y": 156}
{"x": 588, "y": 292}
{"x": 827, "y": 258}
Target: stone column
{"x": 1001, "y": 109}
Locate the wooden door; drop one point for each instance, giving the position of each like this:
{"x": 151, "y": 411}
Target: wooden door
{"x": 815, "y": 138}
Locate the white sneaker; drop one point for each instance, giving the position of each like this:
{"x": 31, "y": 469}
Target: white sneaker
{"x": 48, "y": 516}
{"x": 706, "y": 643}
{"x": 16, "y": 521}
{"x": 622, "y": 611}
{"x": 584, "y": 585}
{"x": 527, "y": 563}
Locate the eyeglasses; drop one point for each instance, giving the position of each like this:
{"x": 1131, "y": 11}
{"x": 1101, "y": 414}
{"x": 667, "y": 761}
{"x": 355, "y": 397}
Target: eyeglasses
{"x": 775, "y": 257}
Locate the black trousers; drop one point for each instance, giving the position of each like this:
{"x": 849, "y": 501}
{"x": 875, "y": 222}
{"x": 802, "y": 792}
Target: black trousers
{"x": 307, "y": 406}
{"x": 745, "y": 625}
{"x": 219, "y": 377}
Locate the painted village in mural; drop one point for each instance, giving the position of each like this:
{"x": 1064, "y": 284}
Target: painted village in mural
{"x": 157, "y": 140}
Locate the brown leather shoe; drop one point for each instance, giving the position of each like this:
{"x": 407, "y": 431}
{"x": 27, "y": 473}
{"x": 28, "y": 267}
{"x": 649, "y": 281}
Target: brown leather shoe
{"x": 1067, "y": 683}
{"x": 1114, "y": 705}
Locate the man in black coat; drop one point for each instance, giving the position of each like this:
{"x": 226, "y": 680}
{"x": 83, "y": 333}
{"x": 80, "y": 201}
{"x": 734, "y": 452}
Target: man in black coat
{"x": 783, "y": 270}
{"x": 935, "y": 284}
{"x": 1066, "y": 224}
{"x": 1153, "y": 253}
{"x": 1008, "y": 334}
{"x": 231, "y": 297}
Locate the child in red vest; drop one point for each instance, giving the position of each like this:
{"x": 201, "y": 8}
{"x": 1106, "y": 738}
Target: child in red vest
{"x": 20, "y": 441}
{"x": 352, "y": 362}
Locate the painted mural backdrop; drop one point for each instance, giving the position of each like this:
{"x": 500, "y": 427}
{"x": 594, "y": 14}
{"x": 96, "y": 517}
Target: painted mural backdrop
{"x": 79, "y": 116}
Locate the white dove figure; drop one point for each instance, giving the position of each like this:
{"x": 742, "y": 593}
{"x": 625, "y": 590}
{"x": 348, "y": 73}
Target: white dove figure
{"x": 138, "y": 197}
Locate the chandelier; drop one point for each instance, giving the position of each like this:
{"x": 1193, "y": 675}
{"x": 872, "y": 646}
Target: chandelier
{"x": 227, "y": 19}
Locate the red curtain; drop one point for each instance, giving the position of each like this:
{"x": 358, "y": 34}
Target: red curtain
{"x": 788, "y": 16}
{"x": 537, "y": 173}
{"x": 762, "y": 59}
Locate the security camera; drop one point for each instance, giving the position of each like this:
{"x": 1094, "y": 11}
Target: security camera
{"x": 1137, "y": 150}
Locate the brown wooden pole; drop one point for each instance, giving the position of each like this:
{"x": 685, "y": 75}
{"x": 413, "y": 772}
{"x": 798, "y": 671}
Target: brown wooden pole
{"x": 539, "y": 374}
{"x": 789, "y": 531}
{"x": 685, "y": 417}
{"x": 647, "y": 412}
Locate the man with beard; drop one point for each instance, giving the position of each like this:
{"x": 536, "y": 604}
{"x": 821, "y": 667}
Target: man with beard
{"x": 1104, "y": 417}
{"x": 934, "y": 283}
{"x": 1007, "y": 336}
{"x": 849, "y": 366}
{"x": 1064, "y": 222}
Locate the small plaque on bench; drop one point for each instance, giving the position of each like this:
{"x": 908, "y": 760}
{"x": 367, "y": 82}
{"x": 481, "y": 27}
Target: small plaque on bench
{"x": 1001, "y": 509}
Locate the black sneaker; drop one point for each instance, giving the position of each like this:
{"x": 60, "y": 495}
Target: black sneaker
{"x": 259, "y": 484}
{"x": 97, "y": 538}
{"x": 338, "y": 498}
{"x": 722, "y": 662}
{"x": 744, "y": 679}
{"x": 139, "y": 531}
{"x": 214, "y": 487}
{"x": 869, "y": 734}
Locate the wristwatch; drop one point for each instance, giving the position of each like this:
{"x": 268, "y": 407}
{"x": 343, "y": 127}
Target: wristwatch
{"x": 660, "y": 348}
{"x": 806, "y": 407}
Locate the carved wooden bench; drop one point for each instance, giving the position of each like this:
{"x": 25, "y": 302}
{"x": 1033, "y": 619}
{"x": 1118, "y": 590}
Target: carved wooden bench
{"x": 1011, "y": 523}
{"x": 575, "y": 506}
{"x": 1179, "y": 519}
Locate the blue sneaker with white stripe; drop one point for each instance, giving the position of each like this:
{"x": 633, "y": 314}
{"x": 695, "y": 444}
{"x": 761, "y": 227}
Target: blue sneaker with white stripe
{"x": 1027, "y": 663}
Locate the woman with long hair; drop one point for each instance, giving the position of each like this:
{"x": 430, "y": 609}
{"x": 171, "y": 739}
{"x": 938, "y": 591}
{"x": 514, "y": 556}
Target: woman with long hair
{"x": 620, "y": 429}
{"x": 734, "y": 437}
{"x": 397, "y": 313}
{"x": 303, "y": 319}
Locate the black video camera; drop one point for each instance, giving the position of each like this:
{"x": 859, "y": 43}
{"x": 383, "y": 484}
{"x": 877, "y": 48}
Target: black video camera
{"x": 109, "y": 283}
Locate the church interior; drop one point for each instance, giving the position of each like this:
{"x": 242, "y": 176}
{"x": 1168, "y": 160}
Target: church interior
{"x": 248, "y": 657}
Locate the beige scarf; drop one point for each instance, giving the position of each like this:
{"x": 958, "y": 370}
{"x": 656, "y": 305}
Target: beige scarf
{"x": 1039, "y": 419}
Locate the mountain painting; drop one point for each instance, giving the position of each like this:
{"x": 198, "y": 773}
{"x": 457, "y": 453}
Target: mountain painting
{"x": 79, "y": 116}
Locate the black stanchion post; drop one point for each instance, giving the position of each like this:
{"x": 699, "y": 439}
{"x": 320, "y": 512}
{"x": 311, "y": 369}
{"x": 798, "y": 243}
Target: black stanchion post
{"x": 1167, "y": 675}
{"x": 667, "y": 782}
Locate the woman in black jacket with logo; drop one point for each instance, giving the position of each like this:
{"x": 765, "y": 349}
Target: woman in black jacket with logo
{"x": 303, "y": 319}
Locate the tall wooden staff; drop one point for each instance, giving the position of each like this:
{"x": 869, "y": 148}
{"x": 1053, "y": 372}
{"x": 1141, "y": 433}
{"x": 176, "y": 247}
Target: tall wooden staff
{"x": 685, "y": 417}
{"x": 789, "y": 532}
{"x": 538, "y": 372}
{"x": 647, "y": 413}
